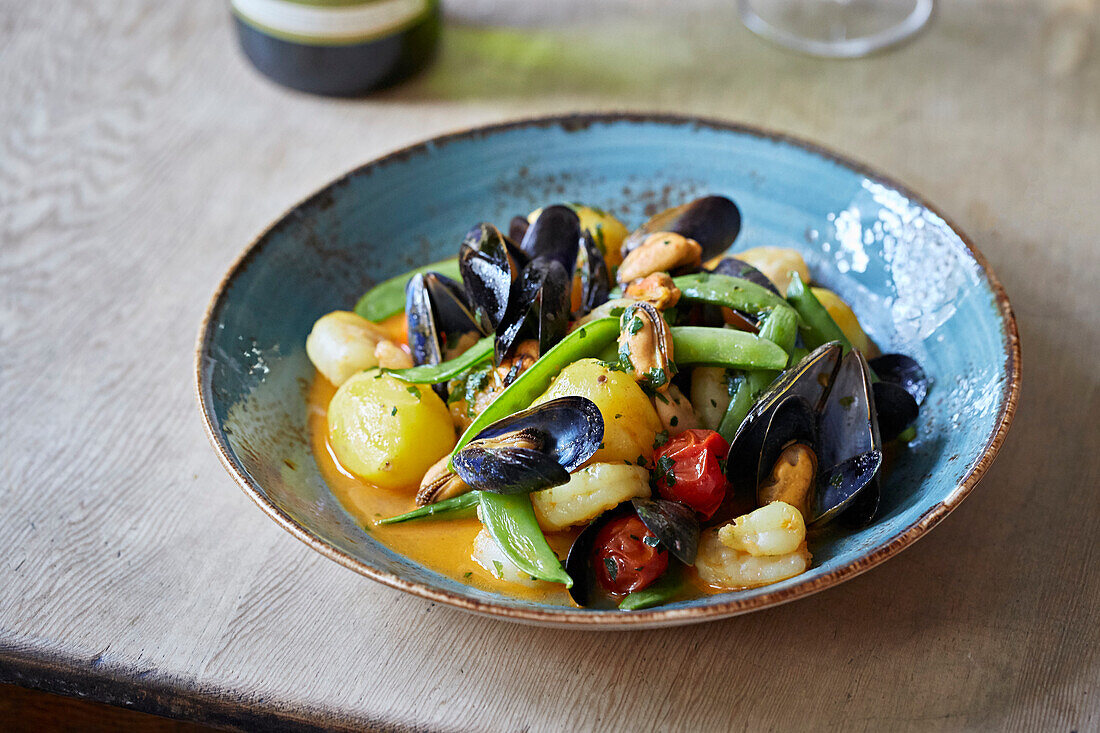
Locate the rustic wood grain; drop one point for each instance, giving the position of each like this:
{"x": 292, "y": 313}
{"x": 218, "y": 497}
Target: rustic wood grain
{"x": 138, "y": 154}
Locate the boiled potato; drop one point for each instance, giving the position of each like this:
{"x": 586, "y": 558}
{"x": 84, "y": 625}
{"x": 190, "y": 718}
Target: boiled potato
{"x": 710, "y": 395}
{"x": 590, "y": 492}
{"x": 343, "y": 343}
{"x": 776, "y": 263}
{"x": 606, "y": 230}
{"x": 386, "y": 431}
{"x": 489, "y": 556}
{"x": 845, "y": 318}
{"x": 630, "y": 424}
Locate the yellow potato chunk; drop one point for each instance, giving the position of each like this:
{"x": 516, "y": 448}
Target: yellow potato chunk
{"x": 845, "y": 317}
{"x": 343, "y": 343}
{"x": 776, "y": 263}
{"x": 386, "y": 431}
{"x": 630, "y": 422}
{"x": 607, "y": 231}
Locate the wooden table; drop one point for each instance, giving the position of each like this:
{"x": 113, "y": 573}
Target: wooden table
{"x": 139, "y": 154}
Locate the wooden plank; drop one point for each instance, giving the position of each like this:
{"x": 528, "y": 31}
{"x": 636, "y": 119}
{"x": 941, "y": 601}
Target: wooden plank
{"x": 138, "y": 154}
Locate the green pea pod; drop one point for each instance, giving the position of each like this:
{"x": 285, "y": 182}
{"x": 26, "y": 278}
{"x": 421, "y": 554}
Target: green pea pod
{"x": 725, "y": 347}
{"x": 447, "y": 506}
{"x": 667, "y": 587}
{"x": 510, "y": 521}
{"x": 780, "y": 326}
{"x": 588, "y": 340}
{"x": 818, "y": 326}
{"x": 436, "y": 373}
{"x": 728, "y": 291}
{"x": 388, "y": 297}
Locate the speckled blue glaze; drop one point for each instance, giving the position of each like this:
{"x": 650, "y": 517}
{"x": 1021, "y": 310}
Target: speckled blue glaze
{"x": 910, "y": 277}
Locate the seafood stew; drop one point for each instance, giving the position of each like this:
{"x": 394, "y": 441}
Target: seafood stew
{"x": 583, "y": 414}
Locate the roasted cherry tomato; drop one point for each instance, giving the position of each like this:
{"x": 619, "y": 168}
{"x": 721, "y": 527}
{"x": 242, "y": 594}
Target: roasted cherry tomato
{"x": 690, "y": 470}
{"x": 626, "y": 556}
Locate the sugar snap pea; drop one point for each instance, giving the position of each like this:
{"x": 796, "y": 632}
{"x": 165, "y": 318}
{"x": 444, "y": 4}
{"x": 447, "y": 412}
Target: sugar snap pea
{"x": 780, "y": 326}
{"x": 388, "y": 297}
{"x": 436, "y": 373}
{"x": 725, "y": 347}
{"x": 818, "y": 326}
{"x": 510, "y": 520}
{"x": 728, "y": 291}
{"x": 453, "y": 505}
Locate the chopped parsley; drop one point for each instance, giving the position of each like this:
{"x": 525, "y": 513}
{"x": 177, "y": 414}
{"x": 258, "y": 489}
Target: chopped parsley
{"x": 651, "y": 540}
{"x": 394, "y": 410}
{"x": 612, "y": 569}
{"x": 414, "y": 391}
{"x": 664, "y": 467}
{"x": 661, "y": 438}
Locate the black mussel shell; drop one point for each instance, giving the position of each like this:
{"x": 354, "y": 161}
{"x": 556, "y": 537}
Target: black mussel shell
{"x": 487, "y": 272}
{"x": 578, "y": 563}
{"x": 809, "y": 379}
{"x": 793, "y": 421}
{"x": 568, "y": 432}
{"x": 554, "y": 235}
{"x": 739, "y": 268}
{"x": 896, "y": 409}
{"x": 595, "y": 278}
{"x": 438, "y": 314}
{"x": 508, "y": 470}
{"x": 517, "y": 227}
{"x": 538, "y": 308}
{"x": 674, "y": 525}
{"x": 849, "y": 451}
{"x": 864, "y": 507}
{"x": 712, "y": 221}
{"x": 903, "y": 371}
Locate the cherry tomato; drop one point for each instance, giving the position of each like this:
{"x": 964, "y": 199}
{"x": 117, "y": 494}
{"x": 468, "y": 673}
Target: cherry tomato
{"x": 626, "y": 556}
{"x": 688, "y": 470}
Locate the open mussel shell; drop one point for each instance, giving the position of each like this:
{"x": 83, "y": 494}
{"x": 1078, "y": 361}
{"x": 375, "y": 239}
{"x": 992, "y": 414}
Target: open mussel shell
{"x": 712, "y": 221}
{"x": 438, "y": 315}
{"x": 554, "y": 235}
{"x": 903, "y": 371}
{"x": 595, "y": 278}
{"x": 488, "y": 270}
{"x": 849, "y": 451}
{"x": 809, "y": 379}
{"x": 792, "y": 421}
{"x": 506, "y": 469}
{"x": 533, "y": 449}
{"x": 538, "y": 308}
{"x": 739, "y": 268}
{"x": 578, "y": 563}
{"x": 896, "y": 409}
{"x": 674, "y": 525}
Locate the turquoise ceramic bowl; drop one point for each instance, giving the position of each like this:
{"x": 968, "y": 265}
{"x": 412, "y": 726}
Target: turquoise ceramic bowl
{"x": 916, "y": 282}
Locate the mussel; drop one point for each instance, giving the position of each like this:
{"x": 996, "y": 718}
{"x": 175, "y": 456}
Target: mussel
{"x": 532, "y": 450}
{"x": 538, "y": 308}
{"x": 712, "y": 221}
{"x": 554, "y": 235}
{"x": 820, "y": 413}
{"x": 488, "y": 266}
{"x": 440, "y": 320}
{"x": 594, "y": 276}
{"x": 673, "y": 524}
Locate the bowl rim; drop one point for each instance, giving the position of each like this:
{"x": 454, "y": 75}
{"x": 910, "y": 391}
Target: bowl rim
{"x": 567, "y": 617}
